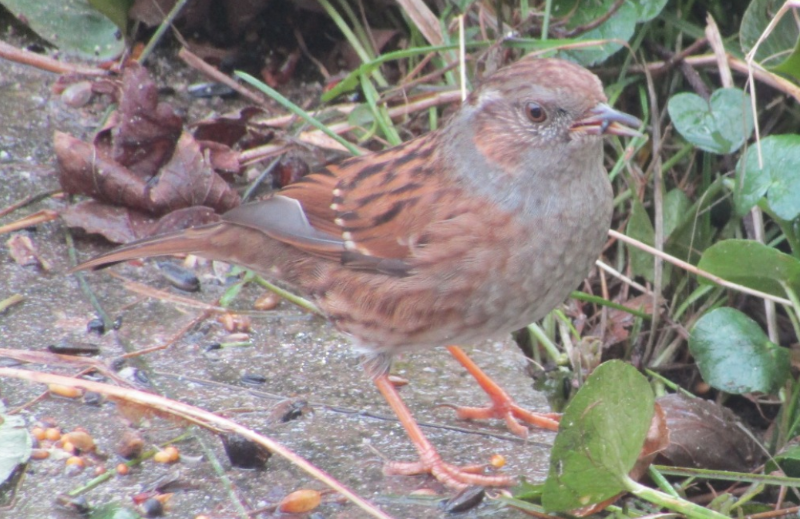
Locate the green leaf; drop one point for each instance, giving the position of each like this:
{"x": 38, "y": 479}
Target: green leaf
{"x": 777, "y": 46}
{"x": 73, "y": 26}
{"x": 115, "y": 10}
{"x": 646, "y": 10}
{"x": 791, "y": 65}
{"x": 676, "y": 210}
{"x": 601, "y": 434}
{"x": 734, "y": 354}
{"x": 778, "y": 179}
{"x": 620, "y": 26}
{"x": 15, "y": 444}
{"x": 753, "y": 265}
{"x": 720, "y": 125}
{"x": 693, "y": 231}
{"x": 113, "y": 511}
{"x": 788, "y": 461}
{"x": 641, "y": 228}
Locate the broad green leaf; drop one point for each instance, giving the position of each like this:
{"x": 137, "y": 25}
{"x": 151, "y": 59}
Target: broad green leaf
{"x": 646, "y": 10}
{"x": 752, "y": 264}
{"x": 788, "y": 461}
{"x": 734, "y": 354}
{"x": 778, "y": 179}
{"x": 620, "y": 26}
{"x": 601, "y": 434}
{"x": 780, "y": 42}
{"x": 676, "y": 211}
{"x": 720, "y": 125}
{"x": 694, "y": 231}
{"x": 15, "y": 444}
{"x": 73, "y": 26}
{"x": 115, "y": 10}
{"x": 791, "y": 65}
{"x": 640, "y": 228}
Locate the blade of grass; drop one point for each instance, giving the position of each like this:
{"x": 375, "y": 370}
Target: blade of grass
{"x": 379, "y": 112}
{"x": 583, "y": 296}
{"x": 277, "y": 96}
{"x": 352, "y": 40}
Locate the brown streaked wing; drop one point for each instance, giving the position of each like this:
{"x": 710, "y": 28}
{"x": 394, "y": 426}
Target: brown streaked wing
{"x": 383, "y": 207}
{"x": 378, "y": 204}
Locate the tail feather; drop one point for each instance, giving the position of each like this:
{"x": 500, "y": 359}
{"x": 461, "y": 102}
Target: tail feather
{"x": 193, "y": 241}
{"x": 224, "y": 241}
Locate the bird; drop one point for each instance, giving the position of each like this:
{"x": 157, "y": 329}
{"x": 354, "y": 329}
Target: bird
{"x": 463, "y": 234}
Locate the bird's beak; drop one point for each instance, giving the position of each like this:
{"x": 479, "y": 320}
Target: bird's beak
{"x": 602, "y": 119}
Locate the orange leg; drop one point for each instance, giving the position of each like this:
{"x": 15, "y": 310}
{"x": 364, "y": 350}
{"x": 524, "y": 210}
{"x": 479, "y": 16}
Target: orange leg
{"x": 502, "y": 406}
{"x": 429, "y": 460}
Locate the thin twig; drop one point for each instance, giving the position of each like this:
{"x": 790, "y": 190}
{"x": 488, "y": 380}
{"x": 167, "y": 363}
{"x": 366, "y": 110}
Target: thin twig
{"x": 47, "y": 63}
{"x": 197, "y": 63}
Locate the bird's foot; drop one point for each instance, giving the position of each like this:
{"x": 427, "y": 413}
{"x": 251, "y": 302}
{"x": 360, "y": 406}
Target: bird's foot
{"x": 502, "y": 406}
{"x": 452, "y": 476}
{"x": 516, "y": 418}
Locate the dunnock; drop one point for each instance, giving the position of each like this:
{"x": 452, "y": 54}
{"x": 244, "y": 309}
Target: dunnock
{"x": 466, "y": 233}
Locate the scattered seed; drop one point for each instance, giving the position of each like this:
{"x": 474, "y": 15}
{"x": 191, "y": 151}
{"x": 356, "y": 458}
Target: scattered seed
{"x": 80, "y": 439}
{"x": 398, "y": 381}
{"x": 168, "y": 455}
{"x": 497, "y": 461}
{"x": 244, "y": 453}
{"x": 123, "y": 470}
{"x": 76, "y": 461}
{"x": 234, "y": 323}
{"x": 52, "y": 433}
{"x": 300, "y": 501}
{"x": 65, "y": 391}
{"x": 40, "y": 454}
{"x": 268, "y": 301}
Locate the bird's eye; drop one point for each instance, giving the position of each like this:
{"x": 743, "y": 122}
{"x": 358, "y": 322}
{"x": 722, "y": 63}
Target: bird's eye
{"x": 535, "y": 112}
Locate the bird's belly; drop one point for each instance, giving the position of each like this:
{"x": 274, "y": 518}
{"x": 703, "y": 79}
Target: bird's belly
{"x": 459, "y": 306}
